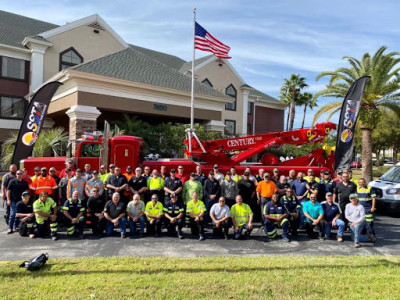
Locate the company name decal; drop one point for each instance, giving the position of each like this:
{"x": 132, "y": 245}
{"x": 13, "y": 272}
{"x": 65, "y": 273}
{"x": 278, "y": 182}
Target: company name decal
{"x": 350, "y": 117}
{"x": 241, "y": 142}
{"x": 34, "y": 123}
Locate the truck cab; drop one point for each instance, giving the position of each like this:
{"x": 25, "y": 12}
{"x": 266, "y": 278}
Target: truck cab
{"x": 122, "y": 151}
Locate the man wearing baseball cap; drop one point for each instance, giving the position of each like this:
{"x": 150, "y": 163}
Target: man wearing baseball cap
{"x": 26, "y": 215}
{"x": 355, "y": 214}
{"x": 332, "y": 214}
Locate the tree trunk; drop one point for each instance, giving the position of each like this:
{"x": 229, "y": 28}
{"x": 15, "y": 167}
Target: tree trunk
{"x": 366, "y": 154}
{"x": 292, "y": 114}
{"x": 288, "y": 116}
{"x": 378, "y": 152}
{"x": 395, "y": 151}
{"x": 304, "y": 116}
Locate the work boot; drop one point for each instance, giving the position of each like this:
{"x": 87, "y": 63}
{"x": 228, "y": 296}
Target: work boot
{"x": 371, "y": 237}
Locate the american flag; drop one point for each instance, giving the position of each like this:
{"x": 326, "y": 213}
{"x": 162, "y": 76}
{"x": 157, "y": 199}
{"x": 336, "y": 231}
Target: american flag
{"x": 206, "y": 42}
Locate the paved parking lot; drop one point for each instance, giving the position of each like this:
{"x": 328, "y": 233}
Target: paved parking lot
{"x": 14, "y": 247}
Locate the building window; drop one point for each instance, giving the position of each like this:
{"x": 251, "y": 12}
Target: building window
{"x": 70, "y": 58}
{"x": 13, "y": 68}
{"x": 231, "y": 91}
{"x": 13, "y": 108}
{"x": 250, "y": 106}
{"x": 230, "y": 127}
{"x": 207, "y": 82}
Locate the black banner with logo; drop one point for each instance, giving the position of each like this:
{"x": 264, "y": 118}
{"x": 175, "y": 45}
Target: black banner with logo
{"x": 347, "y": 123}
{"x": 33, "y": 121}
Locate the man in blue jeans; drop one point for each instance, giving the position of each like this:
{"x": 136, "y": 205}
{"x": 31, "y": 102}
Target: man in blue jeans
{"x": 135, "y": 211}
{"x": 114, "y": 212}
{"x": 332, "y": 214}
{"x": 355, "y": 214}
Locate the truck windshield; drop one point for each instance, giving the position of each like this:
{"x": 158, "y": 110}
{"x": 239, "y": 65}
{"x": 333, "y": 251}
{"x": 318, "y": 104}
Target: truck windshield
{"x": 90, "y": 150}
{"x": 392, "y": 175}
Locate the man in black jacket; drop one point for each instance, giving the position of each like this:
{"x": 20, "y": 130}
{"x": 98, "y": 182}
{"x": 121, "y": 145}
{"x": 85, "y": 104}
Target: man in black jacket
{"x": 211, "y": 193}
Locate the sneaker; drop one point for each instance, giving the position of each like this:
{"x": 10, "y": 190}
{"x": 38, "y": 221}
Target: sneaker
{"x": 201, "y": 238}
{"x": 371, "y": 237}
{"x": 357, "y": 245}
{"x": 123, "y": 236}
{"x": 180, "y": 236}
{"x": 31, "y": 236}
{"x": 9, "y": 231}
{"x": 226, "y": 237}
{"x": 54, "y": 238}
{"x": 286, "y": 239}
{"x": 321, "y": 238}
{"x": 339, "y": 239}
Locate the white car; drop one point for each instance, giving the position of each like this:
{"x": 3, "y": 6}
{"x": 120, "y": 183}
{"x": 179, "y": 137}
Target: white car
{"x": 387, "y": 190}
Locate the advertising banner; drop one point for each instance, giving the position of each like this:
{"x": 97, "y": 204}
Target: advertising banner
{"x": 33, "y": 121}
{"x": 347, "y": 123}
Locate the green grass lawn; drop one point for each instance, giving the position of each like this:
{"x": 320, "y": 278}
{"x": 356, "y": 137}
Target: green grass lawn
{"x": 276, "y": 277}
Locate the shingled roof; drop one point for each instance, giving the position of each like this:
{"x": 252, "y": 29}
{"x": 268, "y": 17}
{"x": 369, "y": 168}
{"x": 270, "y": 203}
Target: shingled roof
{"x": 133, "y": 65}
{"x": 167, "y": 59}
{"x": 15, "y": 28}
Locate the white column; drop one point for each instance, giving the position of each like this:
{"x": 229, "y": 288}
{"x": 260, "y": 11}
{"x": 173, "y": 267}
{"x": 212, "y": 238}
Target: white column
{"x": 37, "y": 66}
{"x": 246, "y": 93}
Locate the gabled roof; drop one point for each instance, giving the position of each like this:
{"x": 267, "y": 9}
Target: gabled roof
{"x": 94, "y": 21}
{"x": 167, "y": 59}
{"x": 15, "y": 28}
{"x": 262, "y": 96}
{"x": 133, "y": 65}
{"x": 187, "y": 66}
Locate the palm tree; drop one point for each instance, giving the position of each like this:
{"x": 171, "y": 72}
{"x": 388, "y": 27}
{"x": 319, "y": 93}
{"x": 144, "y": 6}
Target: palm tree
{"x": 381, "y": 91}
{"x": 306, "y": 100}
{"x": 290, "y": 94}
{"x": 50, "y": 141}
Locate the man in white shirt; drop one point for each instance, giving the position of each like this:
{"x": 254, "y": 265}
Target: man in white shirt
{"x": 355, "y": 214}
{"x": 220, "y": 214}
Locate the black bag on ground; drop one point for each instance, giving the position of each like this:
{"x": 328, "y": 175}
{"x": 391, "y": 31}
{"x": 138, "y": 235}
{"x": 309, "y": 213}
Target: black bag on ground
{"x": 35, "y": 263}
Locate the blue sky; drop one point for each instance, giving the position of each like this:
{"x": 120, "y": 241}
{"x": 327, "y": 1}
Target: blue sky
{"x": 269, "y": 40}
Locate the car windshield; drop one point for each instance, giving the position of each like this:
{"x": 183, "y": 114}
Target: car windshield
{"x": 392, "y": 175}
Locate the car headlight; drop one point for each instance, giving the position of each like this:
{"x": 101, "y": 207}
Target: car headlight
{"x": 393, "y": 191}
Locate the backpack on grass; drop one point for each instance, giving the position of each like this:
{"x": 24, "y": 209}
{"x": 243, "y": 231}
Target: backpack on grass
{"x": 35, "y": 263}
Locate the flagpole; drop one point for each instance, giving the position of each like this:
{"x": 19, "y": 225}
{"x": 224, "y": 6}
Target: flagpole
{"x": 193, "y": 58}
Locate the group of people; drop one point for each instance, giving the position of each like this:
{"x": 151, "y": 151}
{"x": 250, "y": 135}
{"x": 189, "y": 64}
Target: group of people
{"x": 135, "y": 199}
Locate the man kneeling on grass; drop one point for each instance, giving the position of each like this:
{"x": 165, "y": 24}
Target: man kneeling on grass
{"x": 114, "y": 212}
{"x": 242, "y": 218}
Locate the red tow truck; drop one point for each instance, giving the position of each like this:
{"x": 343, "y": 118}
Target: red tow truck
{"x": 126, "y": 151}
